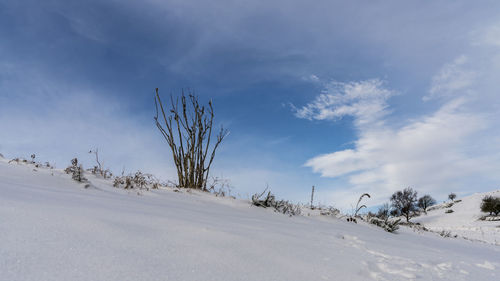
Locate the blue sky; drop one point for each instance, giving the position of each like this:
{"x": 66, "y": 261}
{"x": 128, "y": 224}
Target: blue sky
{"x": 349, "y": 96}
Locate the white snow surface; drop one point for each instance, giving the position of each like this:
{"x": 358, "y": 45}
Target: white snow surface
{"x": 52, "y": 228}
{"x": 464, "y": 221}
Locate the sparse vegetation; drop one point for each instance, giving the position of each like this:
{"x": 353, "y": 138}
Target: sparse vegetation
{"x": 449, "y": 211}
{"x": 386, "y": 224}
{"x": 353, "y": 217}
{"x": 138, "y": 180}
{"x": 383, "y": 211}
{"x": 97, "y": 169}
{"x": 280, "y": 206}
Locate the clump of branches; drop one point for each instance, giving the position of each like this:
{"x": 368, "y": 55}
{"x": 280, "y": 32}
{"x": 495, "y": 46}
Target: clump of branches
{"x": 281, "y": 206}
{"x": 386, "y": 224}
{"x": 328, "y": 211}
{"x": 358, "y": 208}
{"x": 187, "y": 127}
{"x": 138, "y": 180}
{"x": 97, "y": 169}
{"x": 220, "y": 186}
{"x": 76, "y": 170}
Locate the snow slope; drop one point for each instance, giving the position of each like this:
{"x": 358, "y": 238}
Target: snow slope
{"x": 52, "y": 228}
{"x": 464, "y": 221}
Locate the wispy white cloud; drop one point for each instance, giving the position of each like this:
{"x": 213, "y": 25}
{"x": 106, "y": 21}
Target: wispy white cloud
{"x": 452, "y": 79}
{"x": 364, "y": 100}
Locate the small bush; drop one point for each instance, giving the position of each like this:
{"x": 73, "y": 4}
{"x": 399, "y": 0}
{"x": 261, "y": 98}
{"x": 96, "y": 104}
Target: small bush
{"x": 328, "y": 211}
{"x": 452, "y": 196}
{"x": 280, "y": 206}
{"x": 449, "y": 211}
{"x": 138, "y": 180}
{"x": 76, "y": 171}
{"x": 447, "y": 234}
{"x": 387, "y": 225}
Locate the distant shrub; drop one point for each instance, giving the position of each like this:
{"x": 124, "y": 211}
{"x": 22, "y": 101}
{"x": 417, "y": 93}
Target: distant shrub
{"x": 280, "y": 206}
{"x": 447, "y": 234}
{"x": 387, "y": 225}
{"x": 328, "y": 211}
{"x": 448, "y": 211}
{"x": 452, "y": 196}
{"x": 383, "y": 212}
{"x": 138, "y": 180}
{"x": 220, "y": 186}
{"x": 97, "y": 169}
{"x": 491, "y": 205}
{"x": 36, "y": 164}
{"x": 76, "y": 171}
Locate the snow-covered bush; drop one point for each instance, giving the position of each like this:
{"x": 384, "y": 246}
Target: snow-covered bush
{"x": 281, "y": 206}
{"x": 76, "y": 171}
{"x": 449, "y": 211}
{"x": 36, "y": 164}
{"x": 328, "y": 211}
{"x": 387, "y": 225}
{"x": 138, "y": 180}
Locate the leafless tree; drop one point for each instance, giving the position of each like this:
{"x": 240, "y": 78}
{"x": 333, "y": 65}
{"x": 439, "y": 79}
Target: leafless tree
{"x": 452, "y": 196}
{"x": 425, "y": 202}
{"x": 404, "y": 202}
{"x": 187, "y": 127}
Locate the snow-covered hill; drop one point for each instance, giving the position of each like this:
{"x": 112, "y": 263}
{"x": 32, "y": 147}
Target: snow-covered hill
{"x": 52, "y": 228}
{"x": 464, "y": 220}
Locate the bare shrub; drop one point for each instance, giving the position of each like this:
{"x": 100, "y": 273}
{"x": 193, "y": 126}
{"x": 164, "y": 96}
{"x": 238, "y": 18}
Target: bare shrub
{"x": 76, "y": 170}
{"x": 188, "y": 131}
{"x": 97, "y": 169}
{"x": 383, "y": 211}
{"x": 452, "y": 196}
{"x": 220, "y": 186}
{"x": 280, "y": 206}
{"x": 386, "y": 224}
{"x": 138, "y": 180}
